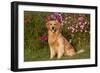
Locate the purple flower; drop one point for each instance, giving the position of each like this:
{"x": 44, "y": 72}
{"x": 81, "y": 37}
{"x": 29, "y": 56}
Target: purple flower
{"x": 58, "y": 17}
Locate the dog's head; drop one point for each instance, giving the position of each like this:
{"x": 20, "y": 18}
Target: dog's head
{"x": 53, "y": 22}
{"x": 53, "y": 26}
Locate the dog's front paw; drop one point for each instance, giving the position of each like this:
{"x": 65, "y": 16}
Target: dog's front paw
{"x": 58, "y": 57}
{"x": 51, "y": 57}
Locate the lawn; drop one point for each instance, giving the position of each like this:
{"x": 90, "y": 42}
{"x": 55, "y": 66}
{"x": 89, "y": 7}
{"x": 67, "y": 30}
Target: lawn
{"x": 35, "y": 35}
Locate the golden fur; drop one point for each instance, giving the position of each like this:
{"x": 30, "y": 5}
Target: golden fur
{"x": 58, "y": 44}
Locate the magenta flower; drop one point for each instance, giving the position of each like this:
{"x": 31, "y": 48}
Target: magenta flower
{"x": 47, "y": 18}
{"x": 58, "y": 17}
{"x": 43, "y": 38}
{"x": 81, "y": 19}
{"x": 55, "y": 16}
{"x": 27, "y": 20}
{"x": 80, "y": 23}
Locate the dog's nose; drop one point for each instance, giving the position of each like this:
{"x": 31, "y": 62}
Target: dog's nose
{"x": 53, "y": 28}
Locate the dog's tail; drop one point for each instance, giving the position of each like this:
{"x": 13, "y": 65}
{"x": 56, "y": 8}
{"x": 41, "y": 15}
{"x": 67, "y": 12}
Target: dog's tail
{"x": 80, "y": 51}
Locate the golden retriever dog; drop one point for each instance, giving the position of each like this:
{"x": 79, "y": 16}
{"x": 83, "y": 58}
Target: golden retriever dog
{"x": 59, "y": 45}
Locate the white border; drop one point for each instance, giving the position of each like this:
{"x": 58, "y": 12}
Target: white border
{"x": 22, "y": 64}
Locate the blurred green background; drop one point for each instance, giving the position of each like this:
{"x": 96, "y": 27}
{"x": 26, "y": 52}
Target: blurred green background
{"x": 76, "y": 29}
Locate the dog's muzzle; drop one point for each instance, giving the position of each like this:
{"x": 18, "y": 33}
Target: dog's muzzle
{"x": 53, "y": 29}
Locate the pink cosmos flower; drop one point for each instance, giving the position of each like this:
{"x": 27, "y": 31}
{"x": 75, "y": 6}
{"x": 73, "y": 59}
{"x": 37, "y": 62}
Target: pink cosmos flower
{"x": 69, "y": 22}
{"x": 80, "y": 23}
{"x": 66, "y": 18}
{"x": 73, "y": 29}
{"x": 81, "y": 30}
{"x": 76, "y": 26}
{"x": 85, "y": 22}
{"x": 69, "y": 17}
{"x": 85, "y": 30}
{"x": 68, "y": 28}
{"x": 76, "y": 30}
{"x": 82, "y": 26}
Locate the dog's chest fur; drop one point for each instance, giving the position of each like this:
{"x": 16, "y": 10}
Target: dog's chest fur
{"x": 53, "y": 39}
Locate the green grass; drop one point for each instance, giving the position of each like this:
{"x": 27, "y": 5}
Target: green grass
{"x": 37, "y": 50}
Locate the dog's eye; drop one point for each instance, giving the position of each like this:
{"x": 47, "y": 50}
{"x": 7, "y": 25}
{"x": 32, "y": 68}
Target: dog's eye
{"x": 54, "y": 24}
{"x": 50, "y": 24}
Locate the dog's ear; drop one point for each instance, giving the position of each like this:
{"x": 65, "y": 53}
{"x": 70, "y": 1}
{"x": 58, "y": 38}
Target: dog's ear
{"x": 58, "y": 25}
{"x": 47, "y": 25}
